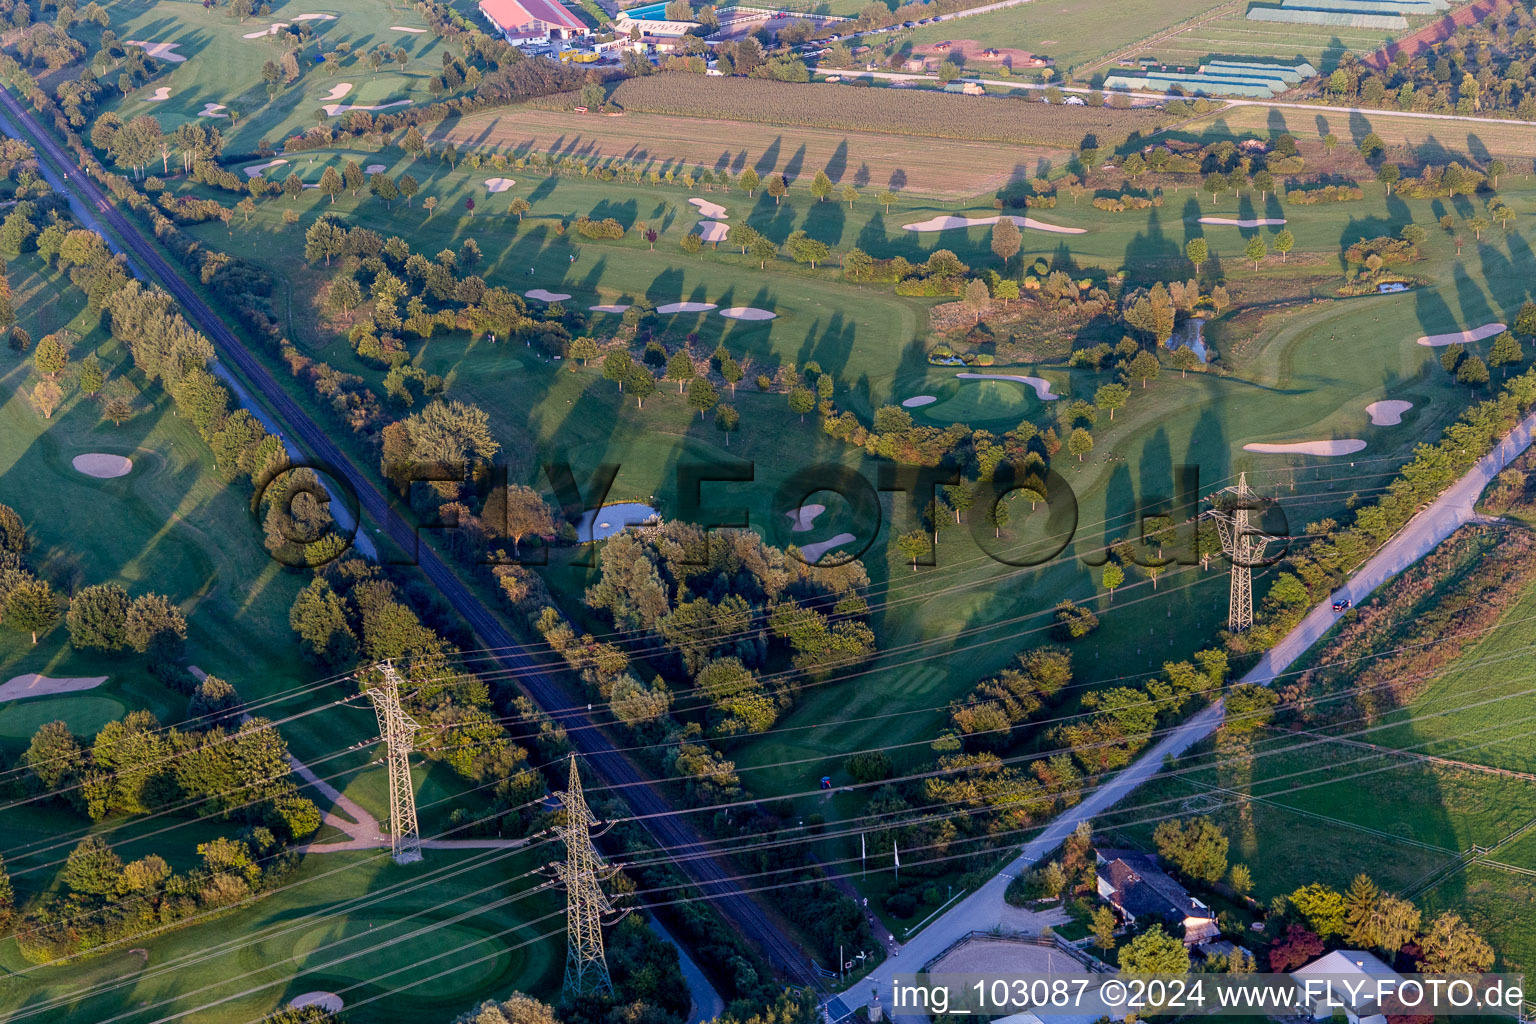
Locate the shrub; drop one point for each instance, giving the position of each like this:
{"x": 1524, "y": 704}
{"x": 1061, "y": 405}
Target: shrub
{"x": 1323, "y": 194}
{"x": 869, "y": 766}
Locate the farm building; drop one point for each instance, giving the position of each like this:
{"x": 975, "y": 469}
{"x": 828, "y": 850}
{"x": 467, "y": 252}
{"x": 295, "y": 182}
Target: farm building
{"x": 1140, "y": 891}
{"x": 525, "y": 22}
{"x": 1221, "y": 77}
{"x": 967, "y": 88}
{"x": 1338, "y": 980}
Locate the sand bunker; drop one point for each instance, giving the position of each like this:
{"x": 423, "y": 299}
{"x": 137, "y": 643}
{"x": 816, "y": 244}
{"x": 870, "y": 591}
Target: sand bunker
{"x": 314, "y": 17}
{"x": 1388, "y": 413}
{"x": 102, "y": 466}
{"x": 34, "y": 685}
{"x": 1262, "y": 222}
{"x": 412, "y": 31}
{"x": 812, "y": 552}
{"x": 255, "y": 170}
{"x": 612, "y": 308}
{"x": 498, "y": 184}
{"x": 713, "y": 230}
{"x": 375, "y": 169}
{"x": 918, "y": 400}
{"x": 748, "y": 313}
{"x": 161, "y": 95}
{"x": 211, "y": 110}
{"x": 271, "y": 30}
{"x": 1342, "y": 446}
{"x": 1475, "y": 334}
{"x": 685, "y": 307}
{"x": 336, "y": 108}
{"x": 338, "y": 91}
{"x": 330, "y": 1002}
{"x": 947, "y": 223}
{"x": 1040, "y": 384}
{"x": 803, "y": 517}
{"x": 162, "y": 50}
{"x": 546, "y": 296}
{"x": 714, "y": 211}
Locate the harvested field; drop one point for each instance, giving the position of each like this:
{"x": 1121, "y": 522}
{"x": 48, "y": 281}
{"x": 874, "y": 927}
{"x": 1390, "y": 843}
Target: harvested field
{"x": 1434, "y": 140}
{"x": 902, "y": 112}
{"x": 956, "y": 169}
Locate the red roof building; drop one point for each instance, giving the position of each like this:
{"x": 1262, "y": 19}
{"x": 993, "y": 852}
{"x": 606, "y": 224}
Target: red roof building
{"x": 521, "y": 21}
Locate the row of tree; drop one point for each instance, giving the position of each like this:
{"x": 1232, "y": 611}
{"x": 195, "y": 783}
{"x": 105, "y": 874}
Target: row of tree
{"x": 1334, "y": 550}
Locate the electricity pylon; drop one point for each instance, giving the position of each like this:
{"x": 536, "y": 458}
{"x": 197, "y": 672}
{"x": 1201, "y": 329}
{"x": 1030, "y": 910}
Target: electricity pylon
{"x": 1242, "y": 546}
{"x": 398, "y": 730}
{"x": 586, "y": 966}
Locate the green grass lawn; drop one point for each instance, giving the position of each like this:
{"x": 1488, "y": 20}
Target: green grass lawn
{"x": 173, "y": 526}
{"x": 319, "y": 933}
{"x": 1304, "y": 374}
{"x": 223, "y": 67}
{"x": 1488, "y": 697}
{"x": 1388, "y": 814}
{"x": 944, "y": 627}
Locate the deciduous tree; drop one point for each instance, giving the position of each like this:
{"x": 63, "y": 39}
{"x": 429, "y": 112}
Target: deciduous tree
{"x": 98, "y": 617}
{"x": 1197, "y": 252}
{"x": 1256, "y": 250}
{"x": 1196, "y": 848}
{"x": 1154, "y": 951}
{"x": 32, "y": 607}
{"x": 1450, "y": 946}
{"x": 1006, "y": 239}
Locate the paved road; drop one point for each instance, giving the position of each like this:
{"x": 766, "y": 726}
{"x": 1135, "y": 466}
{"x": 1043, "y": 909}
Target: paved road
{"x": 669, "y": 830}
{"x": 984, "y": 909}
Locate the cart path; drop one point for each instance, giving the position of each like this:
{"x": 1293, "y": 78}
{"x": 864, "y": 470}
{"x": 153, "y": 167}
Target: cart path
{"x": 985, "y": 908}
{"x": 543, "y": 682}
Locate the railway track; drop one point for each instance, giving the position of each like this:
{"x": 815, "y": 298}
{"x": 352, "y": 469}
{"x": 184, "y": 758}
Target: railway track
{"x": 710, "y": 876}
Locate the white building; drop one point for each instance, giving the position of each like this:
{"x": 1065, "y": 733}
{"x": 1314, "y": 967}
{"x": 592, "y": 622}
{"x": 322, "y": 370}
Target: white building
{"x": 1333, "y": 982}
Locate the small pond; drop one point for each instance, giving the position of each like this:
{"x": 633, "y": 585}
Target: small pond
{"x": 1190, "y": 334}
{"x": 1391, "y": 286}
{"x": 602, "y": 523}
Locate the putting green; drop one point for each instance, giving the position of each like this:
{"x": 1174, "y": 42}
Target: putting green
{"x": 85, "y": 714}
{"x": 977, "y": 401}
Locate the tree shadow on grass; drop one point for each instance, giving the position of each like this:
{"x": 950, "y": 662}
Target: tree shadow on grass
{"x": 1149, "y": 251}
{"x": 1473, "y": 300}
